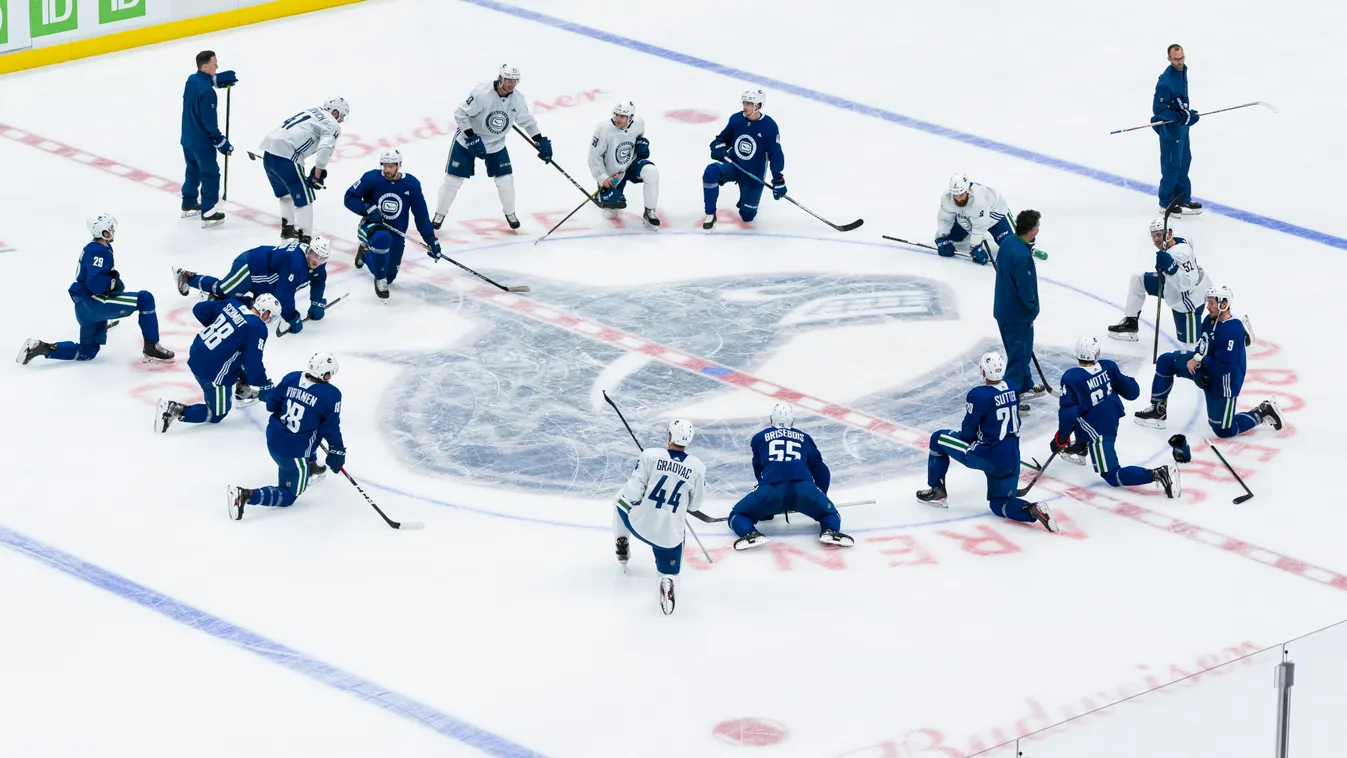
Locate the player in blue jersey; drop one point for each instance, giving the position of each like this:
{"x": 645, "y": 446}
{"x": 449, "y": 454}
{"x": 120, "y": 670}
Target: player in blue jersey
{"x": 750, "y": 141}
{"x": 1090, "y": 407}
{"x": 791, "y": 476}
{"x": 100, "y": 296}
{"x": 390, "y": 198}
{"x": 281, "y": 270}
{"x": 305, "y": 412}
{"x": 988, "y": 441}
{"x": 226, "y": 353}
{"x": 1217, "y": 367}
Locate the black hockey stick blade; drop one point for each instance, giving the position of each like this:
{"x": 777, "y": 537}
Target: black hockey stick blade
{"x": 253, "y": 156}
{"x": 908, "y": 242}
{"x": 332, "y": 302}
{"x": 1248, "y": 493}
{"x": 847, "y": 227}
{"x": 708, "y": 519}
{"x": 1243, "y": 498}
{"x": 518, "y": 288}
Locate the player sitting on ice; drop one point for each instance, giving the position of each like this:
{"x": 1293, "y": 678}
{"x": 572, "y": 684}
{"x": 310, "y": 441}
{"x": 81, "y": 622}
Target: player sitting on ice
{"x": 1185, "y": 282}
{"x": 386, "y": 197}
{"x": 100, "y": 296}
{"x": 305, "y": 411}
{"x": 619, "y": 154}
{"x": 989, "y": 441}
{"x": 484, "y": 122}
{"x": 311, "y": 132}
{"x": 281, "y": 270}
{"x": 1217, "y": 366}
{"x": 741, "y": 153}
{"x": 1091, "y": 407}
{"x": 972, "y": 218}
{"x": 654, "y": 503}
{"x": 791, "y": 476}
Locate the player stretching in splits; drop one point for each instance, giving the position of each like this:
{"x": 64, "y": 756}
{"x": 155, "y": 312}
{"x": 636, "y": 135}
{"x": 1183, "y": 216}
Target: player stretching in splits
{"x": 1218, "y": 368}
{"x": 226, "y": 352}
{"x": 619, "y": 155}
{"x": 791, "y": 476}
{"x": 305, "y": 410}
{"x": 654, "y": 503}
{"x": 750, "y": 141}
{"x": 386, "y": 197}
{"x": 1091, "y": 406}
{"x": 989, "y": 441}
{"x": 100, "y": 296}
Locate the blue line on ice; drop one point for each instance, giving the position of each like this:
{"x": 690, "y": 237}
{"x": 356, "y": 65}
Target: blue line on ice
{"x": 1248, "y": 217}
{"x": 251, "y": 642}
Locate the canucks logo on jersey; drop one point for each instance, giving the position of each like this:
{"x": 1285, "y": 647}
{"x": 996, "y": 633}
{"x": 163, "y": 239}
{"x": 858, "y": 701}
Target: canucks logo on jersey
{"x": 624, "y": 152}
{"x": 497, "y": 121}
{"x": 390, "y": 205}
{"x": 745, "y": 147}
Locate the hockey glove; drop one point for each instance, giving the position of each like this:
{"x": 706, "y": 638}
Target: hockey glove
{"x": 224, "y": 147}
{"x": 373, "y": 216}
{"x": 336, "y": 458}
{"x": 1059, "y": 442}
{"x": 980, "y": 254}
{"x": 719, "y": 150}
{"x": 1192, "y": 117}
{"x": 115, "y": 283}
{"x": 642, "y": 148}
{"x": 316, "y": 177}
{"x": 778, "y": 186}
{"x": 945, "y": 247}
{"x": 264, "y": 391}
{"x": 544, "y": 148}
{"x": 474, "y": 145}
{"x": 613, "y": 199}
{"x": 316, "y": 310}
{"x": 1164, "y": 263}
{"x": 296, "y": 324}
{"x": 434, "y": 249}
{"x": 226, "y": 79}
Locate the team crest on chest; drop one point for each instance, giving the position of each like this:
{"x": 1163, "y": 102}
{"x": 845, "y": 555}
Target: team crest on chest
{"x": 745, "y": 147}
{"x": 497, "y": 122}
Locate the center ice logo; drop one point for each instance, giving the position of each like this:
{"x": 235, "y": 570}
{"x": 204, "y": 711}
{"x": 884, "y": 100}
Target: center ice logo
{"x": 390, "y": 205}
{"x": 497, "y": 122}
{"x": 624, "y": 152}
{"x": 745, "y": 147}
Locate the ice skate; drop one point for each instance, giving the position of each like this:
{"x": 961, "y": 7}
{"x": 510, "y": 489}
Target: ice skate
{"x": 1167, "y": 477}
{"x": 245, "y": 396}
{"x": 512, "y": 220}
{"x": 33, "y": 348}
{"x": 1043, "y": 516}
{"x": 190, "y": 208}
{"x": 709, "y": 222}
{"x": 157, "y": 353}
{"x": 381, "y": 289}
{"x": 666, "y": 595}
{"x": 180, "y": 278}
{"x": 317, "y": 472}
{"x": 360, "y": 255}
{"x": 830, "y": 537}
{"x": 288, "y": 230}
{"x": 1270, "y": 413}
{"x": 214, "y": 219}
{"x": 1154, "y": 416}
{"x": 238, "y": 498}
{"x": 165, "y": 414}
{"x": 650, "y": 220}
{"x": 935, "y": 496}
{"x": 751, "y": 540}
{"x": 1125, "y": 330}
{"x": 437, "y": 222}
{"x": 1075, "y": 452}
{"x": 623, "y": 551}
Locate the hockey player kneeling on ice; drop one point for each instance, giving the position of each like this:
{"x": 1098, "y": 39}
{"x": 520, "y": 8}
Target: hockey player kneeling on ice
{"x": 970, "y": 215}
{"x": 281, "y": 270}
{"x": 100, "y": 296}
{"x": 620, "y": 149}
{"x": 1217, "y": 366}
{"x": 228, "y": 350}
{"x": 1185, "y": 283}
{"x": 988, "y": 441}
{"x": 386, "y": 197}
{"x": 654, "y": 503}
{"x": 791, "y": 476}
{"x": 310, "y": 132}
{"x": 749, "y": 141}
{"x": 1091, "y": 407}
{"x": 305, "y": 411}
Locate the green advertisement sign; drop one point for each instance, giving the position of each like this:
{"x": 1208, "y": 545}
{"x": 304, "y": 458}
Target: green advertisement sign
{"x": 119, "y": 10}
{"x": 52, "y": 16}
{"x": 4, "y": 22}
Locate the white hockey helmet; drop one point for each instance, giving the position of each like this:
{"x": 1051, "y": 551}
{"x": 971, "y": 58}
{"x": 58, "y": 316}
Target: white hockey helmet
{"x": 755, "y": 96}
{"x": 1157, "y": 225}
{"x": 339, "y": 105}
{"x": 321, "y": 246}
{"x": 680, "y": 432}
{"x": 1222, "y": 293}
{"x": 323, "y": 366}
{"x": 958, "y": 184}
{"x": 508, "y": 72}
{"x": 624, "y": 108}
{"x": 267, "y": 306}
{"x": 993, "y": 366}
{"x": 783, "y": 416}
{"x": 103, "y": 222}
{"x": 391, "y": 155}
{"x": 1087, "y": 349}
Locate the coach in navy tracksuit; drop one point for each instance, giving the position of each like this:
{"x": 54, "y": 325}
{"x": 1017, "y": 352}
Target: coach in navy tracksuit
{"x": 201, "y": 138}
{"x": 1016, "y": 304}
{"x": 1171, "y": 104}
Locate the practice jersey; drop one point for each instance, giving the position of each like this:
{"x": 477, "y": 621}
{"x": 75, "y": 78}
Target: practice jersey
{"x": 613, "y": 148}
{"x": 659, "y": 493}
{"x": 398, "y": 201}
{"x": 984, "y": 208}
{"x": 232, "y": 342}
{"x": 1222, "y": 347}
{"x": 282, "y": 270}
{"x": 753, "y": 144}
{"x": 489, "y": 116}
{"x": 303, "y": 413}
{"x": 788, "y": 455}
{"x": 1090, "y": 399}
{"x": 93, "y": 275}
{"x": 309, "y": 132}
{"x": 1185, "y": 282}
{"x": 992, "y": 421}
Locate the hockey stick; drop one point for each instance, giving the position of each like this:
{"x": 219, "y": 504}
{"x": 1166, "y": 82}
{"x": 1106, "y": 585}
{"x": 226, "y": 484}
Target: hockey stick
{"x": 1039, "y": 254}
{"x": 714, "y": 520}
{"x": 843, "y": 228}
{"x": 590, "y": 197}
{"x": 1248, "y": 493}
{"x": 405, "y": 525}
{"x": 492, "y": 282}
{"x": 583, "y": 191}
{"x": 639, "y": 446}
{"x": 282, "y": 332}
{"x": 229, "y": 101}
{"x": 1025, "y": 490}
{"x": 1160, "y": 287}
{"x": 1269, "y": 106}
{"x": 1051, "y": 391}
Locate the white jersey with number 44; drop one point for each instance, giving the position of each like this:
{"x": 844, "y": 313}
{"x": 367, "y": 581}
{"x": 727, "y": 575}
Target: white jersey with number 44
{"x": 659, "y": 493}
{"x": 311, "y": 132}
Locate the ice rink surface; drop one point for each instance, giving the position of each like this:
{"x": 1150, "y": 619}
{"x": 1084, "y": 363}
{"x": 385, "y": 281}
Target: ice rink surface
{"x": 505, "y": 626}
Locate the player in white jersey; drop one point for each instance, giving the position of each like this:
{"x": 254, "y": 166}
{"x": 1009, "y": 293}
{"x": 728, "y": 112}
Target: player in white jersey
{"x": 654, "y": 503}
{"x": 310, "y": 132}
{"x": 484, "y": 122}
{"x": 619, "y": 154}
{"x": 973, "y": 218}
{"x": 1185, "y": 285}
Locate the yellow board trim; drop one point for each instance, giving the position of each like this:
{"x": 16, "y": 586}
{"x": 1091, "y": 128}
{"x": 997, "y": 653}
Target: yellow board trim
{"x": 170, "y": 30}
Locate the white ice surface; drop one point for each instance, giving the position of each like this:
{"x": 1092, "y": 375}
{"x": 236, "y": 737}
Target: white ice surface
{"x": 508, "y": 611}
